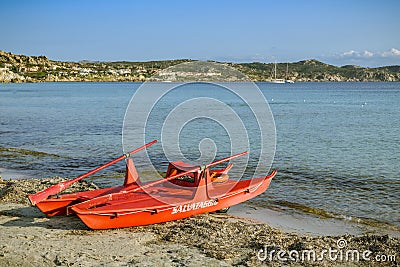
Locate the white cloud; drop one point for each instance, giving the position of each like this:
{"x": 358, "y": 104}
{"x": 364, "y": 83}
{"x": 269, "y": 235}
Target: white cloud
{"x": 368, "y": 54}
{"x": 391, "y": 52}
{"x": 353, "y": 53}
{"x": 356, "y": 54}
{"x": 395, "y": 51}
{"x": 365, "y": 58}
{"x": 350, "y": 53}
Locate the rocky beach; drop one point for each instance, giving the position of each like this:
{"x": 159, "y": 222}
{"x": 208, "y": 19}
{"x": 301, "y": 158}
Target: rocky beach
{"x": 28, "y": 238}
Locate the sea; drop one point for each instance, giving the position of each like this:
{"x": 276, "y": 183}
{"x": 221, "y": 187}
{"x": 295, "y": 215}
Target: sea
{"x": 337, "y": 144}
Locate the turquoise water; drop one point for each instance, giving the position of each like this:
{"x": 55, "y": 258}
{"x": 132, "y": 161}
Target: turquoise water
{"x": 337, "y": 153}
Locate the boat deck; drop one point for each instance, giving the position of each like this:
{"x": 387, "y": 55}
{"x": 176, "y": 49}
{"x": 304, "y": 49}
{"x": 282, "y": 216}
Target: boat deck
{"x": 165, "y": 196}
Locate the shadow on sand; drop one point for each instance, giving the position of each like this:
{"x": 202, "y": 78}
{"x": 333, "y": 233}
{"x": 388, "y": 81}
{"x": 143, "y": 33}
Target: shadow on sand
{"x": 24, "y": 216}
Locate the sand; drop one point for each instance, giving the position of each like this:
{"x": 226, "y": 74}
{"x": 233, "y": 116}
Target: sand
{"x": 28, "y": 238}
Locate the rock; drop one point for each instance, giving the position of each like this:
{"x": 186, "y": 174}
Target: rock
{"x": 7, "y": 76}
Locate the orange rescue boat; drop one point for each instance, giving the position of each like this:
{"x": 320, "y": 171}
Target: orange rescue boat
{"x": 185, "y": 191}
{"x": 52, "y": 203}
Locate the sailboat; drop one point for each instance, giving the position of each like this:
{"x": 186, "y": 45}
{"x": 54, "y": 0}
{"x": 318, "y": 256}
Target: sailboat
{"x": 275, "y": 80}
{"x": 287, "y": 72}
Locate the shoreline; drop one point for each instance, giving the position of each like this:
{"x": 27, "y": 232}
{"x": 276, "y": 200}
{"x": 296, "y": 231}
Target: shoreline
{"x": 294, "y": 221}
{"x": 306, "y": 224}
{"x": 10, "y": 174}
{"x": 30, "y": 239}
{"x": 23, "y": 68}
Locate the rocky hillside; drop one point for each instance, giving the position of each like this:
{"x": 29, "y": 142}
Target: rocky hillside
{"x": 313, "y": 70}
{"x": 21, "y": 68}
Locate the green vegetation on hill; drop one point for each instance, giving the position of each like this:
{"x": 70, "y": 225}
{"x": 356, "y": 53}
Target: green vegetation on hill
{"x": 313, "y": 70}
{"x": 21, "y": 68}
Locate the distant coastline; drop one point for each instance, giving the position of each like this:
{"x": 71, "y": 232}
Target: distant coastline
{"x": 22, "y": 68}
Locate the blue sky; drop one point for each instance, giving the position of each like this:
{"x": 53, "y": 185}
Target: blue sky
{"x": 365, "y": 33}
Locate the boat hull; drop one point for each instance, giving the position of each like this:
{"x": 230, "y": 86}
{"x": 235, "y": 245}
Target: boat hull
{"x": 60, "y": 206}
{"x": 111, "y": 215}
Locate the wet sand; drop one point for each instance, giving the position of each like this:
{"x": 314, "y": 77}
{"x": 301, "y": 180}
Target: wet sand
{"x": 298, "y": 223}
{"x": 28, "y": 238}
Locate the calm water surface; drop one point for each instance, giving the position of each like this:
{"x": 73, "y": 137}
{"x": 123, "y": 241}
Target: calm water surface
{"x": 338, "y": 144}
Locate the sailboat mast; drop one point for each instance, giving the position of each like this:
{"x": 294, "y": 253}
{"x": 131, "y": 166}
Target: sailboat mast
{"x": 287, "y": 70}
